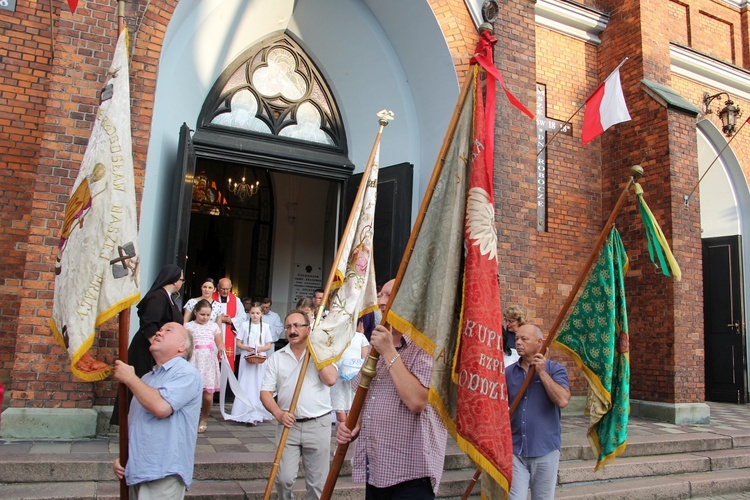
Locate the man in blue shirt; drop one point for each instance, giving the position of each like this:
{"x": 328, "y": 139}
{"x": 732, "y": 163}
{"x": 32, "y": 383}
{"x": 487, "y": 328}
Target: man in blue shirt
{"x": 535, "y": 424}
{"x": 163, "y": 418}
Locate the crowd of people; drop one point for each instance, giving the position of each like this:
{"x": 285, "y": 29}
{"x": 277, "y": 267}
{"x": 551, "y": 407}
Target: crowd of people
{"x": 174, "y": 373}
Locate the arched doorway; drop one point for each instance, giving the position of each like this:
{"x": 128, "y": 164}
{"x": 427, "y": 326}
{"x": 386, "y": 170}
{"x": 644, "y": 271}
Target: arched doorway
{"x": 725, "y": 229}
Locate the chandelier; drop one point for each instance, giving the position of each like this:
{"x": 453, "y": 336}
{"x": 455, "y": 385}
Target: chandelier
{"x": 241, "y": 189}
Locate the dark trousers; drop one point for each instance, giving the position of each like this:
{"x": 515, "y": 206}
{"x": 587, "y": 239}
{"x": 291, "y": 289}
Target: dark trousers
{"x": 416, "y": 489}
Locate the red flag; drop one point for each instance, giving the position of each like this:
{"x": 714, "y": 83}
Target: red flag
{"x": 480, "y": 370}
{"x": 73, "y": 4}
{"x": 605, "y": 107}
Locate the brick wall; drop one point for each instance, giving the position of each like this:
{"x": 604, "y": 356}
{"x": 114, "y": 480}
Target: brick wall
{"x": 25, "y": 57}
{"x": 83, "y": 46}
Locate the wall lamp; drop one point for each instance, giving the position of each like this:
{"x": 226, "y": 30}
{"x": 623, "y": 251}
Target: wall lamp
{"x": 728, "y": 114}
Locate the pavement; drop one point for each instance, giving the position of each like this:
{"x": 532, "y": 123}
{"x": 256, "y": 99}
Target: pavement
{"x": 227, "y": 439}
{"x": 231, "y": 437}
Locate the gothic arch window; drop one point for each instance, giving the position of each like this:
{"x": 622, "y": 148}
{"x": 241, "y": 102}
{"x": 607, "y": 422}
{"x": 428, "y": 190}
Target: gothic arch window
{"x": 274, "y": 92}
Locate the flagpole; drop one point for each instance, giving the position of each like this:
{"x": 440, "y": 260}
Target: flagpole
{"x": 124, "y": 395}
{"x": 567, "y": 122}
{"x": 123, "y": 333}
{"x": 687, "y": 197}
{"x": 368, "y": 370}
{"x": 384, "y": 118}
{"x": 636, "y": 173}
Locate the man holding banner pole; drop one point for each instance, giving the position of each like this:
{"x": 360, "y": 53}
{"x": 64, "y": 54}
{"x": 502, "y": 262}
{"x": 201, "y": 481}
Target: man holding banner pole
{"x": 535, "y": 425}
{"x": 309, "y": 434}
{"x": 402, "y": 440}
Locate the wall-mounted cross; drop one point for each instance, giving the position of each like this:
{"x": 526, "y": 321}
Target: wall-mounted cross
{"x": 544, "y": 124}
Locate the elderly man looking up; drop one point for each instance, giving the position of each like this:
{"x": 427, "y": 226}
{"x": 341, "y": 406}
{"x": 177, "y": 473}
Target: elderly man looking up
{"x": 535, "y": 424}
{"x": 163, "y": 418}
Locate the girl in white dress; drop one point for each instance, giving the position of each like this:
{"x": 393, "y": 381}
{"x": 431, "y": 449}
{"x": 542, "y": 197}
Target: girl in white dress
{"x": 349, "y": 365}
{"x": 206, "y": 339}
{"x": 254, "y": 337}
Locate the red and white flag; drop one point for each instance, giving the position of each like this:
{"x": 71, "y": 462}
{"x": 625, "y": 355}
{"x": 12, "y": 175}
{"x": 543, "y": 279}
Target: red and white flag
{"x": 605, "y": 107}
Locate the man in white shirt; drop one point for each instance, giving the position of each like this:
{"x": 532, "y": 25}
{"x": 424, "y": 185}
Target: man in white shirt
{"x": 309, "y": 426}
{"x": 273, "y": 321}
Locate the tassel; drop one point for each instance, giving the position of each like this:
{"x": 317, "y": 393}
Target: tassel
{"x": 657, "y": 243}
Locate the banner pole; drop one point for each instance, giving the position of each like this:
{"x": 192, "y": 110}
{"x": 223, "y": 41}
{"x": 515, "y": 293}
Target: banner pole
{"x": 123, "y": 333}
{"x": 368, "y": 370}
{"x": 385, "y": 116}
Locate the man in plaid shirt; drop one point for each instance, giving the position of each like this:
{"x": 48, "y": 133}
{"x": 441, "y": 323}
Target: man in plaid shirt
{"x": 401, "y": 445}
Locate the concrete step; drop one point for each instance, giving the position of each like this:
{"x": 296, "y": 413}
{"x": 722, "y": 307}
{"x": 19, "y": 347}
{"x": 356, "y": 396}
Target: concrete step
{"x": 629, "y": 467}
{"x": 694, "y": 485}
{"x": 640, "y": 446}
{"x": 451, "y": 487}
{"x": 49, "y": 467}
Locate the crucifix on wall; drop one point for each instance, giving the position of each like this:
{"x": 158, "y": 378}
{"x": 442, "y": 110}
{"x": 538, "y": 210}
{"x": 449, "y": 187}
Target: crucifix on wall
{"x": 544, "y": 124}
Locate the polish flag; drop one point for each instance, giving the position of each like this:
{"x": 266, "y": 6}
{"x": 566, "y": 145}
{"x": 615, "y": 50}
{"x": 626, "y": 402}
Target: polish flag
{"x": 605, "y": 107}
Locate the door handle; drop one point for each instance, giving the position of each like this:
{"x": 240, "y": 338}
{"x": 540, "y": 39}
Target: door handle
{"x": 736, "y": 325}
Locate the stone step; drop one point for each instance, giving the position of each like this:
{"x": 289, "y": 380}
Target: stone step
{"x": 694, "y": 485}
{"x": 451, "y": 487}
{"x": 48, "y": 467}
{"x": 654, "y": 465}
{"x": 629, "y": 467}
{"x": 640, "y": 446}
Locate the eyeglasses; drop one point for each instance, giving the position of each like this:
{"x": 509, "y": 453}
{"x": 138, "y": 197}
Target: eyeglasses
{"x": 225, "y": 289}
{"x": 295, "y": 326}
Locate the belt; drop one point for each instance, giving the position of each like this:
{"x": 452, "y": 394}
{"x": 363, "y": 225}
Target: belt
{"x": 307, "y": 419}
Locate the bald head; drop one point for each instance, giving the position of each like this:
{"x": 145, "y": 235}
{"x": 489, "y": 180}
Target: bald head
{"x": 529, "y": 340}
{"x": 170, "y": 341}
{"x": 385, "y": 294}
{"x": 225, "y": 287}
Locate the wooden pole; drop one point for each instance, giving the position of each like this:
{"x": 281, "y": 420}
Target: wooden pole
{"x": 368, "y": 370}
{"x": 123, "y": 335}
{"x": 636, "y": 172}
{"x": 383, "y": 122}
{"x": 123, "y": 395}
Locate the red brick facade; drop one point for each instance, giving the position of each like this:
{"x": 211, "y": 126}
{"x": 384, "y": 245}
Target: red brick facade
{"x": 50, "y": 78}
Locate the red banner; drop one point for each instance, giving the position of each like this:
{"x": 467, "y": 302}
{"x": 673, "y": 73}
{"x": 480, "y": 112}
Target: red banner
{"x": 482, "y": 416}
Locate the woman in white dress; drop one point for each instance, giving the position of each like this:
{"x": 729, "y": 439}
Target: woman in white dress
{"x": 254, "y": 337}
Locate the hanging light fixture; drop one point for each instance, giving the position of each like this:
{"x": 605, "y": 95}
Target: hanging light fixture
{"x": 242, "y": 189}
{"x": 728, "y": 114}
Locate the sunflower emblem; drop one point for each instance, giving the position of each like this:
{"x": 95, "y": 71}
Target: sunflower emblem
{"x": 480, "y": 217}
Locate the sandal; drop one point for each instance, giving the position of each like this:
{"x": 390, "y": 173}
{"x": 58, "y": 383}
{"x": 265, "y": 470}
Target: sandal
{"x": 202, "y": 426}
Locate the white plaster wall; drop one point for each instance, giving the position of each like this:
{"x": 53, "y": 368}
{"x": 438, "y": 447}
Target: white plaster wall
{"x": 718, "y": 202}
{"x": 729, "y": 204}
{"x": 375, "y": 54}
